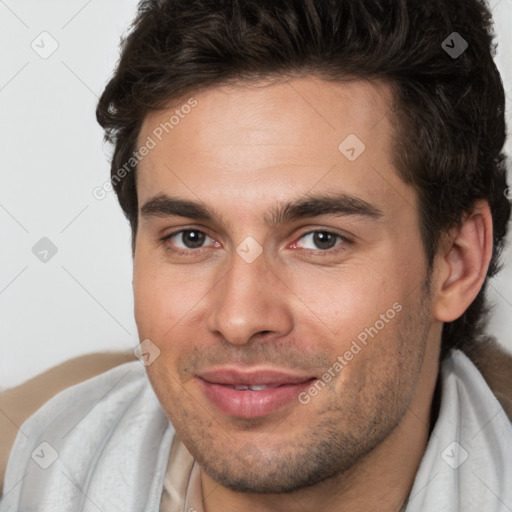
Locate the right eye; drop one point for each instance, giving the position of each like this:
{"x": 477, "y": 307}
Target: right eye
{"x": 187, "y": 238}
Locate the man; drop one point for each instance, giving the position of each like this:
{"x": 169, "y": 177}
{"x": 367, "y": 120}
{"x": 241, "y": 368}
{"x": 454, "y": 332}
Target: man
{"x": 316, "y": 192}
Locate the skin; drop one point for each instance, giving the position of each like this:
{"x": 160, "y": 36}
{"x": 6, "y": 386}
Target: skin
{"x": 242, "y": 152}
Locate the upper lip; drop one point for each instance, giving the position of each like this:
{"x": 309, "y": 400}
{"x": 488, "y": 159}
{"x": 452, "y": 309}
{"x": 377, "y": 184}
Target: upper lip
{"x": 254, "y": 377}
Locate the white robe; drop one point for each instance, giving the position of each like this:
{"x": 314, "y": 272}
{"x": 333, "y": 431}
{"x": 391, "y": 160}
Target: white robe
{"x": 105, "y": 444}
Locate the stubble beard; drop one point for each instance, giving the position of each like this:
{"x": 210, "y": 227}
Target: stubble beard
{"x": 347, "y": 429}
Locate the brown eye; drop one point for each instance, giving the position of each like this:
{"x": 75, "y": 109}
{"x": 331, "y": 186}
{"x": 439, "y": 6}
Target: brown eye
{"x": 192, "y": 239}
{"x": 324, "y": 240}
{"x": 188, "y": 239}
{"x": 320, "y": 240}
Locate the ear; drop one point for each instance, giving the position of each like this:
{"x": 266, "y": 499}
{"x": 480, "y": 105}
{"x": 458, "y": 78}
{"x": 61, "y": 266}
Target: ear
{"x": 462, "y": 264}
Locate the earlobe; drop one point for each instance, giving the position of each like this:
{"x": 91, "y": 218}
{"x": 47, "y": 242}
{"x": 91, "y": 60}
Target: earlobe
{"x": 462, "y": 264}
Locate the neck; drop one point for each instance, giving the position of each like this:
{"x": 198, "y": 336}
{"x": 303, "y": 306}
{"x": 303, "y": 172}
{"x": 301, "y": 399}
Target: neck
{"x": 382, "y": 480}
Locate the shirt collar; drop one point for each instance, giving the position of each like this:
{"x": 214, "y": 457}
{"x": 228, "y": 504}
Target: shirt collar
{"x": 194, "y": 496}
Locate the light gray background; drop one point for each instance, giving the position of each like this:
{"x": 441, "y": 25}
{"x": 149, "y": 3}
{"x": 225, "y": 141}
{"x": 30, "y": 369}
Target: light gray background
{"x": 52, "y": 158}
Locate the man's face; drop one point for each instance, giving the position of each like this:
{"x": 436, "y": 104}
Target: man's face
{"x": 301, "y": 275}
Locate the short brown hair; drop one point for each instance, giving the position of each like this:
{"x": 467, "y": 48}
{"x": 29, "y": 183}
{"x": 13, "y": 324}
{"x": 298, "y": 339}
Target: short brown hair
{"x": 450, "y": 108}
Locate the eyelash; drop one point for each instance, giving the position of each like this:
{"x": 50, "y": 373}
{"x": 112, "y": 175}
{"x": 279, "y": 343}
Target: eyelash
{"x": 342, "y": 246}
{"x": 179, "y": 251}
{"x": 325, "y": 252}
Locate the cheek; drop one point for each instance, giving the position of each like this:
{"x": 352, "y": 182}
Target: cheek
{"x": 166, "y": 300}
{"x": 147, "y": 294}
{"x": 159, "y": 312}
{"x": 344, "y": 302}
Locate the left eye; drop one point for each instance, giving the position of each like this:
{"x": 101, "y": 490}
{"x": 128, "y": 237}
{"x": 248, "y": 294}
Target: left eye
{"x": 189, "y": 239}
{"x": 320, "y": 240}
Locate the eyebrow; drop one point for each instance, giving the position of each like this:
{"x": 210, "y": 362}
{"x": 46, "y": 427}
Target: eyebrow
{"x": 317, "y": 205}
{"x": 164, "y": 205}
{"x": 308, "y": 206}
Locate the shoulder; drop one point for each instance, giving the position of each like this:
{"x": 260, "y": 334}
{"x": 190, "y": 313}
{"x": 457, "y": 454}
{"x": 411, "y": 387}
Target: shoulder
{"x": 19, "y": 403}
{"x": 495, "y": 365}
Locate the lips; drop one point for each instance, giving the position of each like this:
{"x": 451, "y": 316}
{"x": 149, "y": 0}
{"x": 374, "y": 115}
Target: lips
{"x": 251, "y": 394}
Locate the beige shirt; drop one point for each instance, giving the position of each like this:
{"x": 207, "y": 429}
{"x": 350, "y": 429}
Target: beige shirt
{"x": 182, "y": 483}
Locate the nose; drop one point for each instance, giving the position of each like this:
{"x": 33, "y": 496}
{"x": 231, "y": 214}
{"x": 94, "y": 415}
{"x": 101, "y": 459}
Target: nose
{"x": 250, "y": 300}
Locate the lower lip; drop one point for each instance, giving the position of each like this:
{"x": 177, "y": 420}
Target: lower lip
{"x": 252, "y": 404}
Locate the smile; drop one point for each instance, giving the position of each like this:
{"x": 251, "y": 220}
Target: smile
{"x": 251, "y": 394}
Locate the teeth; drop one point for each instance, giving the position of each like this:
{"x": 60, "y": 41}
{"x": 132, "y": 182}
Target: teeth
{"x": 252, "y": 388}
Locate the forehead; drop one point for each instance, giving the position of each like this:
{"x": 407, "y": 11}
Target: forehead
{"x": 268, "y": 141}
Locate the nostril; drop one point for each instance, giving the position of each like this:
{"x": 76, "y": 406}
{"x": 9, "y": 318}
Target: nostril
{"x": 263, "y": 333}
